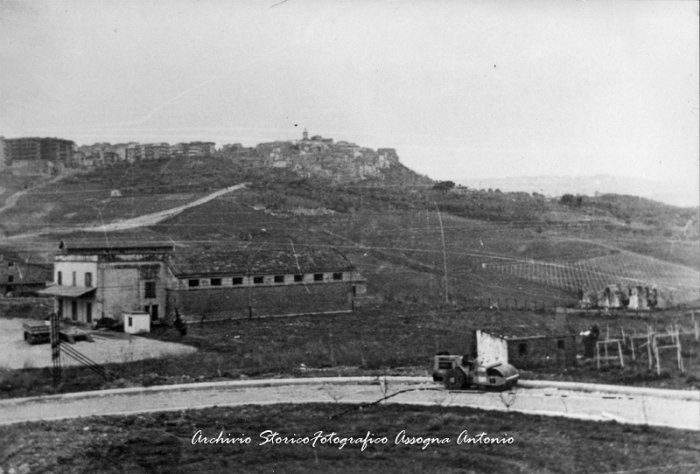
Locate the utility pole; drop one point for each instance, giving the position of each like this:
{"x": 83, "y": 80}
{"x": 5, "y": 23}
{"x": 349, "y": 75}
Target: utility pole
{"x": 444, "y": 255}
{"x": 250, "y": 282}
{"x": 56, "y": 348}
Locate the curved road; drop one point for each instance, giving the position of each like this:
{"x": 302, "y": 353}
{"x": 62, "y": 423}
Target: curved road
{"x": 156, "y": 217}
{"x": 136, "y": 222}
{"x": 624, "y": 408}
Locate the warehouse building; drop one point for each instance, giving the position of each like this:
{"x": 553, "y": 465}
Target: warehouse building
{"x": 93, "y": 280}
{"x": 263, "y": 282}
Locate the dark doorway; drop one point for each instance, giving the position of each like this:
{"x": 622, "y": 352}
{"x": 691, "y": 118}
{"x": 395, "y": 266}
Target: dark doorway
{"x": 522, "y": 349}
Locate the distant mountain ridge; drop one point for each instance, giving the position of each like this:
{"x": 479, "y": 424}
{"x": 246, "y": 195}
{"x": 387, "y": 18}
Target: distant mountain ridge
{"x": 665, "y": 192}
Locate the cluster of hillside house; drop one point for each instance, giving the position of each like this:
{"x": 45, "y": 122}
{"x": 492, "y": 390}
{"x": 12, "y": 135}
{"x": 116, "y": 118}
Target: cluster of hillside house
{"x": 309, "y": 157}
{"x": 94, "y": 280}
{"x": 321, "y": 157}
{"x": 45, "y": 155}
{"x": 105, "y": 153}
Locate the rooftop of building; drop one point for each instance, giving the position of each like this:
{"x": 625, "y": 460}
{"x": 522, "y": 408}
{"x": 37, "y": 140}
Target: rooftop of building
{"x": 262, "y": 260}
{"x": 114, "y": 242}
{"x": 210, "y": 259}
{"x": 7, "y": 255}
{"x": 528, "y": 326}
{"x": 522, "y": 332}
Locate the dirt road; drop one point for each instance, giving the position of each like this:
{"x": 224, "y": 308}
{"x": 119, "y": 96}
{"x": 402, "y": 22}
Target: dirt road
{"x": 141, "y": 221}
{"x": 11, "y": 201}
{"x": 156, "y": 217}
{"x": 683, "y": 414}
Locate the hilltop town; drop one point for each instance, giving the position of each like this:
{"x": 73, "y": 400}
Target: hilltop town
{"x": 317, "y": 156}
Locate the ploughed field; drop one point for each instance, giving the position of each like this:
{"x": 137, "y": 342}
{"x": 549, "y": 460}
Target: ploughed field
{"x": 313, "y": 438}
{"x": 627, "y": 268}
{"x": 505, "y": 257}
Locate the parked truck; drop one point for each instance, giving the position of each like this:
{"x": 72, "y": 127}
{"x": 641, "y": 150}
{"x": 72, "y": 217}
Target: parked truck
{"x": 460, "y": 372}
{"x": 36, "y": 332}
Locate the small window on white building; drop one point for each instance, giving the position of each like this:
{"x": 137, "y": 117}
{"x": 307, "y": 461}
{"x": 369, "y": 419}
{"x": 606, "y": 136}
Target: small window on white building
{"x": 298, "y": 278}
{"x": 337, "y": 276}
{"x": 279, "y": 278}
{"x": 59, "y": 278}
{"x": 215, "y": 282}
{"x": 75, "y": 279}
{"x": 192, "y": 283}
{"x": 131, "y": 321}
{"x": 258, "y": 280}
{"x": 237, "y": 280}
{"x": 318, "y": 276}
{"x": 88, "y": 279}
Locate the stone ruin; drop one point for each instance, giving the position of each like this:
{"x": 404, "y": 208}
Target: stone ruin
{"x": 634, "y": 297}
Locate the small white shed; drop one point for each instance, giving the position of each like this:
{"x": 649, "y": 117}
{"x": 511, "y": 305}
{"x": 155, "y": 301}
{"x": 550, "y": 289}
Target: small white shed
{"x": 136, "y": 322}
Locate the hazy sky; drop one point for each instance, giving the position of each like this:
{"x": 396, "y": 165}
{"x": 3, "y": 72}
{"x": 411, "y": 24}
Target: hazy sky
{"x": 460, "y": 89}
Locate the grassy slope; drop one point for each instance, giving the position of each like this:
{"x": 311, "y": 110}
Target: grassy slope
{"x": 145, "y": 187}
{"x": 398, "y": 266}
{"x": 161, "y": 442}
{"x": 393, "y": 235}
{"x": 398, "y": 249}
{"x": 10, "y": 184}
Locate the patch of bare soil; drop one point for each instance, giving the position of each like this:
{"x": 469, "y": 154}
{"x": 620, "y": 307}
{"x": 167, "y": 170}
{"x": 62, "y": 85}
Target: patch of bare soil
{"x": 107, "y": 348}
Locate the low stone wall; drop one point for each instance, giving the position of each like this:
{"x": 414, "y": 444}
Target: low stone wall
{"x": 543, "y": 351}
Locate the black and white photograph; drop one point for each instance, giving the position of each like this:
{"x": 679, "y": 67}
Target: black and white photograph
{"x": 367, "y": 236}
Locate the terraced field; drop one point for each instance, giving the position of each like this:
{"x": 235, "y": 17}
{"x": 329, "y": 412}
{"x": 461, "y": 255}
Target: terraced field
{"x": 626, "y": 268}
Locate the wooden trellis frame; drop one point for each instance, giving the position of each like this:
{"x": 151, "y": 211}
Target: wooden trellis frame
{"x": 696, "y": 326}
{"x": 637, "y": 350}
{"x": 661, "y": 341}
{"x": 652, "y": 341}
{"x": 617, "y": 343}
